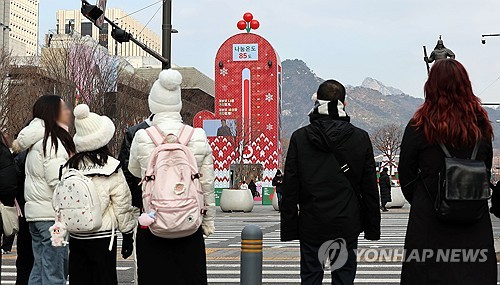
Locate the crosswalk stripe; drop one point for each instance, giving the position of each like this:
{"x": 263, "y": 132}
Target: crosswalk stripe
{"x": 297, "y": 280}
{"x": 297, "y": 265}
{"x": 296, "y": 272}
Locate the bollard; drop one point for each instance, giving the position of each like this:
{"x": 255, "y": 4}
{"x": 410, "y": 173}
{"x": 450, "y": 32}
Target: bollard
{"x": 251, "y": 256}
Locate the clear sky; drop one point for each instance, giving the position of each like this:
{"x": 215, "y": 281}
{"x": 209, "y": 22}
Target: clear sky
{"x": 346, "y": 40}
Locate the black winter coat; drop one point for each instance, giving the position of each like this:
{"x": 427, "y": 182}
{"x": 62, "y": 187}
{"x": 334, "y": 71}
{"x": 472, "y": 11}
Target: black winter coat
{"x": 20, "y": 161}
{"x": 384, "y": 183}
{"x": 8, "y": 176}
{"x": 123, "y": 157}
{"x": 495, "y": 200}
{"x": 425, "y": 231}
{"x": 277, "y": 182}
{"x": 329, "y": 207}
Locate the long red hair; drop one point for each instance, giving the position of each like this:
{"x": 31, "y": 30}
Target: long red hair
{"x": 451, "y": 113}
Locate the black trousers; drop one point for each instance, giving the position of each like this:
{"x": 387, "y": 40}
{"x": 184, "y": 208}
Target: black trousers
{"x": 8, "y": 242}
{"x": 312, "y": 271}
{"x": 180, "y": 261}
{"x": 25, "y": 259}
{"x": 91, "y": 262}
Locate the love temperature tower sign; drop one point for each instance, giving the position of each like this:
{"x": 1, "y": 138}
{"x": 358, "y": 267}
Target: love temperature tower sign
{"x": 245, "y": 127}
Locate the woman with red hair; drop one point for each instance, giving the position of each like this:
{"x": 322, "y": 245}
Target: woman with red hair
{"x": 439, "y": 252}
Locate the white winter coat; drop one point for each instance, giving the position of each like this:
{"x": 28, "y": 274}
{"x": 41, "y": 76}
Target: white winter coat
{"x": 115, "y": 199}
{"x": 42, "y": 171}
{"x": 171, "y": 123}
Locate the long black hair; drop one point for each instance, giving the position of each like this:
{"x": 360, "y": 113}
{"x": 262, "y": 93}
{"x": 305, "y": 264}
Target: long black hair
{"x": 96, "y": 157}
{"x": 48, "y": 108}
{"x": 3, "y": 139}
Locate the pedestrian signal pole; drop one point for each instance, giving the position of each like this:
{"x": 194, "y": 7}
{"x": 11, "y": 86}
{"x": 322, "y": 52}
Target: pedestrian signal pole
{"x": 166, "y": 46}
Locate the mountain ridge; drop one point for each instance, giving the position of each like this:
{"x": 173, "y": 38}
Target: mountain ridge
{"x": 368, "y": 108}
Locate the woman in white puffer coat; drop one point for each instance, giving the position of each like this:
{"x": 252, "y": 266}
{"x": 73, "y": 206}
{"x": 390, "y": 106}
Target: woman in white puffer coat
{"x": 182, "y": 260}
{"x": 92, "y": 256}
{"x": 50, "y": 146}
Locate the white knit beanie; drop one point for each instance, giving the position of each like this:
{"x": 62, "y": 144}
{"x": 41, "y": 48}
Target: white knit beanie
{"x": 165, "y": 95}
{"x": 92, "y": 131}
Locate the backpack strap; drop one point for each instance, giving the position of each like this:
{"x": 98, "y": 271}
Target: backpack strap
{"x": 475, "y": 151}
{"x": 472, "y": 157}
{"x": 445, "y": 150}
{"x": 185, "y": 134}
{"x": 155, "y": 135}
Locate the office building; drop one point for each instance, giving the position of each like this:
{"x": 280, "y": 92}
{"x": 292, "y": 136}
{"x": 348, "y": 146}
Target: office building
{"x": 72, "y": 21}
{"x": 22, "y": 26}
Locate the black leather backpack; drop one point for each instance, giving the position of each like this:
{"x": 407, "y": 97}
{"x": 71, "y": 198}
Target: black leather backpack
{"x": 463, "y": 189}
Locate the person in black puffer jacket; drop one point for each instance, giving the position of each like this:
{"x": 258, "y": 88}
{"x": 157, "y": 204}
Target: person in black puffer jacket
{"x": 8, "y": 177}
{"x": 123, "y": 157}
{"x": 8, "y": 174}
{"x": 25, "y": 258}
{"x": 384, "y": 183}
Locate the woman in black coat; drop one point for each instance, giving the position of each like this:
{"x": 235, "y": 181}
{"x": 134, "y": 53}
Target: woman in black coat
{"x": 277, "y": 182}
{"x": 253, "y": 187}
{"x": 452, "y": 115}
{"x": 384, "y": 183}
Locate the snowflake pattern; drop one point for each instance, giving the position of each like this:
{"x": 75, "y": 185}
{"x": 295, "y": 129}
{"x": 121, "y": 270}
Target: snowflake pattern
{"x": 269, "y": 97}
{"x": 224, "y": 88}
{"x": 224, "y": 71}
{"x": 269, "y": 127}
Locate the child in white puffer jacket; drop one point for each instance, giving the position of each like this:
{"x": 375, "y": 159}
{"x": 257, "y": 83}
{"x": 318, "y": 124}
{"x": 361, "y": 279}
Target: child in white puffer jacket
{"x": 91, "y": 261}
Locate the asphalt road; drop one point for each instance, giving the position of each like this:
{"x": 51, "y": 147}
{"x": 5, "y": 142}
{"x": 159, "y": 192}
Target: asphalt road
{"x": 281, "y": 260}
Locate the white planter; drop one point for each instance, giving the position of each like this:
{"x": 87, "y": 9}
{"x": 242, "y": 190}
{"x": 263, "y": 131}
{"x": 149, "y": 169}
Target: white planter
{"x": 398, "y": 200}
{"x": 236, "y": 200}
{"x": 275, "y": 202}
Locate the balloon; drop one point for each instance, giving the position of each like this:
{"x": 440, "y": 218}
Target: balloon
{"x": 248, "y": 17}
{"x": 254, "y": 24}
{"x": 242, "y": 25}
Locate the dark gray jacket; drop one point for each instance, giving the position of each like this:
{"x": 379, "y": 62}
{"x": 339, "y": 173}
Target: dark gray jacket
{"x": 123, "y": 157}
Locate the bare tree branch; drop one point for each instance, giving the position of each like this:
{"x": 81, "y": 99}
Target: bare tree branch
{"x": 387, "y": 140}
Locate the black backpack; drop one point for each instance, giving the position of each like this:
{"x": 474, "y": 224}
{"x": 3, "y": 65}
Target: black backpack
{"x": 463, "y": 189}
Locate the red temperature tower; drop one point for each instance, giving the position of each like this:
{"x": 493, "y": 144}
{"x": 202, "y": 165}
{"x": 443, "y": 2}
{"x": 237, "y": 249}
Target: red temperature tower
{"x": 246, "y": 127}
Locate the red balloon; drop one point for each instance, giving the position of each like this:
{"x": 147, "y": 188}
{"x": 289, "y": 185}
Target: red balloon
{"x": 254, "y": 24}
{"x": 248, "y": 17}
{"x": 242, "y": 25}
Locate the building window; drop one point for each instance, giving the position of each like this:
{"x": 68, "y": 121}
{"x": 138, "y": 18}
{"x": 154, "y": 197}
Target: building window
{"x": 86, "y": 29}
{"x": 103, "y": 36}
{"x": 69, "y": 28}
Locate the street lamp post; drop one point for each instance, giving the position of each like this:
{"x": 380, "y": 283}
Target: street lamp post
{"x": 167, "y": 34}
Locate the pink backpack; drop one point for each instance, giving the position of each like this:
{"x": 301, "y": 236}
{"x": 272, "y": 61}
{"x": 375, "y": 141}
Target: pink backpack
{"x": 172, "y": 195}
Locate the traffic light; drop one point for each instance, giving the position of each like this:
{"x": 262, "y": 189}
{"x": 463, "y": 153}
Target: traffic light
{"x": 120, "y": 35}
{"x": 91, "y": 12}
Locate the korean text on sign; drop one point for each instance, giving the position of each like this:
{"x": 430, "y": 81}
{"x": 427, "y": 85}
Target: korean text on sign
{"x": 245, "y": 52}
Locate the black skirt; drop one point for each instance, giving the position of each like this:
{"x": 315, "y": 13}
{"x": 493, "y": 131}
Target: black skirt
{"x": 171, "y": 261}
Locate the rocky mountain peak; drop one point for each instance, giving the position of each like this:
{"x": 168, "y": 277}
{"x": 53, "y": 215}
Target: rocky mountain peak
{"x": 380, "y": 87}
